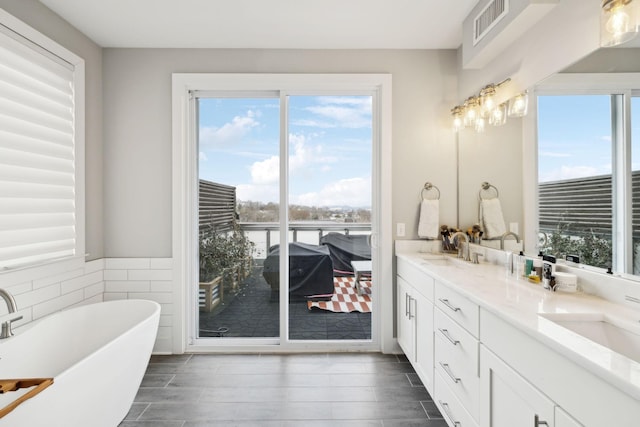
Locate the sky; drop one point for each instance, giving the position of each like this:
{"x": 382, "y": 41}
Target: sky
{"x": 574, "y": 136}
{"x": 330, "y": 145}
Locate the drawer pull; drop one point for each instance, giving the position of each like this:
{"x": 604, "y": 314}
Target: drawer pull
{"x": 447, "y": 412}
{"x": 448, "y": 304}
{"x": 447, "y": 336}
{"x": 446, "y": 368}
{"x": 406, "y": 305}
{"x": 538, "y": 423}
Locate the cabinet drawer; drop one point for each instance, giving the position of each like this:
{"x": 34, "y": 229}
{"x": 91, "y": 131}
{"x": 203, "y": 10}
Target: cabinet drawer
{"x": 456, "y": 341}
{"x": 459, "y": 375}
{"x": 420, "y": 280}
{"x": 452, "y": 410}
{"x": 465, "y": 312}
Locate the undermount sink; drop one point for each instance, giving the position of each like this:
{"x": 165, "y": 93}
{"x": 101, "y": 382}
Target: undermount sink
{"x": 435, "y": 259}
{"x": 443, "y": 260}
{"x": 620, "y": 337}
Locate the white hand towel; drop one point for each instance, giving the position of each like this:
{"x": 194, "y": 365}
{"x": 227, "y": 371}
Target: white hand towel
{"x": 428, "y": 226}
{"x": 492, "y": 218}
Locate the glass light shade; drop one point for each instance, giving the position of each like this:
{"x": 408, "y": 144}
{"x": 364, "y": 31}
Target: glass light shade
{"x": 480, "y": 125}
{"x": 498, "y": 115}
{"x": 471, "y": 112}
{"x": 487, "y": 100}
{"x": 518, "y": 105}
{"x": 457, "y": 113}
{"x": 619, "y": 21}
{"x": 457, "y": 123}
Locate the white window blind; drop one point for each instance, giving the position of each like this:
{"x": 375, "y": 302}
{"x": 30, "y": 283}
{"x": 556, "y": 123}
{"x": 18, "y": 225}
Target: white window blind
{"x": 37, "y": 164}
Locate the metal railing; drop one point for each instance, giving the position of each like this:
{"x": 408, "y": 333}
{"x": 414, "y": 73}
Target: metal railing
{"x": 265, "y": 234}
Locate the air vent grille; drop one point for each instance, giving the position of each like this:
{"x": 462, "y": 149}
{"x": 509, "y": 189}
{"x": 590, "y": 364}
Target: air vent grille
{"x": 488, "y": 18}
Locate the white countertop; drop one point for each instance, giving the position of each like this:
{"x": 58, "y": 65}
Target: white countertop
{"x": 519, "y": 302}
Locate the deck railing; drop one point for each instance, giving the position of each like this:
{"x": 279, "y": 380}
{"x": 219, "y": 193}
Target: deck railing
{"x": 266, "y": 234}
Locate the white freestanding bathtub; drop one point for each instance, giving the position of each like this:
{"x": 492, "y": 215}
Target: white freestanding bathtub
{"x": 96, "y": 354}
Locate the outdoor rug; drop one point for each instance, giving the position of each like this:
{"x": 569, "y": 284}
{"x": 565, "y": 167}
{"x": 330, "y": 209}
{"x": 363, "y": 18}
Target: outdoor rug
{"x": 345, "y": 299}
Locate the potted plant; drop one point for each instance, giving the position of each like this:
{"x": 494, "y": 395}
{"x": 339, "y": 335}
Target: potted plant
{"x": 224, "y": 256}
{"x": 212, "y": 262}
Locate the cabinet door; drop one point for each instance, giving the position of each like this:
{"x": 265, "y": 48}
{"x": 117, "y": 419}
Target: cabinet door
{"x": 565, "y": 420}
{"x": 424, "y": 340}
{"x": 507, "y": 399}
{"x": 405, "y": 324}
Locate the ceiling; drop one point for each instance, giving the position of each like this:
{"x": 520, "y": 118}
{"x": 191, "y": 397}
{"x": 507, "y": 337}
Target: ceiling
{"x": 290, "y": 24}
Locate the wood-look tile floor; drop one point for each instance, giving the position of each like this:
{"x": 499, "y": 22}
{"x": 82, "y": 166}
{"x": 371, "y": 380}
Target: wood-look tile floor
{"x": 316, "y": 390}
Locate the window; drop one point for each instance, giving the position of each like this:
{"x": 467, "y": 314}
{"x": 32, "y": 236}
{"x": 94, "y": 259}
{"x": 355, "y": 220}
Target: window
{"x": 574, "y": 177}
{"x": 41, "y": 150}
{"x": 588, "y": 172}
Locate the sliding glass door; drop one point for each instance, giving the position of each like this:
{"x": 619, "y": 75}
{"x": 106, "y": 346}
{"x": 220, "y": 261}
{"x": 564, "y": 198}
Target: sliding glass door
{"x": 325, "y": 187}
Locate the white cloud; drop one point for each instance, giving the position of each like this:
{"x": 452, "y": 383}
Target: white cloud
{"x": 348, "y": 112}
{"x": 266, "y": 171}
{"x": 313, "y": 123}
{"x": 203, "y": 157}
{"x": 230, "y": 132}
{"x": 258, "y": 193}
{"x": 345, "y": 192}
{"x": 302, "y": 160}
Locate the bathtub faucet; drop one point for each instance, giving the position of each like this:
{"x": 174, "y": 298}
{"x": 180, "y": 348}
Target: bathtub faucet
{"x": 11, "y": 305}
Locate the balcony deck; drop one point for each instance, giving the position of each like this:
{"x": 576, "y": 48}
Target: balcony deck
{"x": 252, "y": 311}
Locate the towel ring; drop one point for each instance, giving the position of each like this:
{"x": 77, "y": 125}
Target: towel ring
{"x": 487, "y": 190}
{"x": 429, "y": 187}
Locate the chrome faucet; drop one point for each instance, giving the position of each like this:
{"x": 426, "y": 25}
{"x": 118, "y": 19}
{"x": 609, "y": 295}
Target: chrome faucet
{"x": 508, "y": 233}
{"x": 13, "y": 307}
{"x": 462, "y": 251}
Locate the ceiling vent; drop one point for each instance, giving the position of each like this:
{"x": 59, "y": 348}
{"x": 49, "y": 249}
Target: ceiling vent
{"x": 488, "y": 18}
{"x": 493, "y": 25}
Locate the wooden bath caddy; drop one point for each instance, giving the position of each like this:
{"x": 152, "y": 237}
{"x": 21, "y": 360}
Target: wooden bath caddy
{"x": 7, "y": 386}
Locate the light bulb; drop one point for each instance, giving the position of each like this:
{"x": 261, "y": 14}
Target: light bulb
{"x": 498, "y": 116}
{"x": 618, "y": 23}
{"x": 457, "y": 124}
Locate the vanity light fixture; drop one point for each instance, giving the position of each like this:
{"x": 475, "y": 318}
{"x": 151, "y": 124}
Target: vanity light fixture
{"x": 619, "y": 21}
{"x": 479, "y": 110}
{"x": 518, "y": 105}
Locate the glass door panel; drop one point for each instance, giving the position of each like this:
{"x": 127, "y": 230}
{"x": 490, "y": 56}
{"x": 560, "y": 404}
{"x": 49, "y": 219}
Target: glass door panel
{"x": 238, "y": 171}
{"x": 330, "y": 193}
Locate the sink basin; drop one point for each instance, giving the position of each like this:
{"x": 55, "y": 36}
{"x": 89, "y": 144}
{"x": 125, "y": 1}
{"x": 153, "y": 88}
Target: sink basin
{"x": 440, "y": 260}
{"x": 618, "y": 336}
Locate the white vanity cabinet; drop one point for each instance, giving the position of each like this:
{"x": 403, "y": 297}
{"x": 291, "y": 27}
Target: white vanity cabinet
{"x": 509, "y": 400}
{"x": 486, "y": 364}
{"x": 415, "y": 319}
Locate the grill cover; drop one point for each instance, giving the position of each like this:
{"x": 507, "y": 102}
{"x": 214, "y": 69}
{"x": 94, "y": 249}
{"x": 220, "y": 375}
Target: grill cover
{"x": 343, "y": 249}
{"x": 310, "y": 269}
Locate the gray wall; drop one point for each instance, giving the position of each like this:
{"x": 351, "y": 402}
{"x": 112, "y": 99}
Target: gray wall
{"x": 137, "y": 136}
{"x": 44, "y": 20}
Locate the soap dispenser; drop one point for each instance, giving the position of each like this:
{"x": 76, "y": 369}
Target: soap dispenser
{"x": 520, "y": 262}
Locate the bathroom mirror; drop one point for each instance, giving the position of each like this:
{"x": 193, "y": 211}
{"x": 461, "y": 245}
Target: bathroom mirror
{"x": 496, "y": 155}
